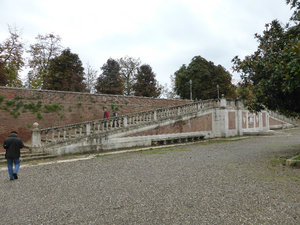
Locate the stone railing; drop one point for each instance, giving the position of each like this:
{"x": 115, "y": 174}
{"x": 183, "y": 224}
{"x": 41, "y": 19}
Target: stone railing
{"x": 283, "y": 118}
{"x": 43, "y": 137}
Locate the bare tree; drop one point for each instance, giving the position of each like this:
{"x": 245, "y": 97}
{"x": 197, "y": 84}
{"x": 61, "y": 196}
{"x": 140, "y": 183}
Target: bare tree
{"x": 129, "y": 67}
{"x": 11, "y": 57}
{"x": 46, "y": 48}
{"x": 90, "y": 78}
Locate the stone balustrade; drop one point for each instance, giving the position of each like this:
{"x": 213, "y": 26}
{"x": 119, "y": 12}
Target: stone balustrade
{"x": 282, "y": 117}
{"x": 43, "y": 137}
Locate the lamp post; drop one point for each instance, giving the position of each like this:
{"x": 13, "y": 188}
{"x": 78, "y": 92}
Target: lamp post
{"x": 191, "y": 95}
{"x": 218, "y": 91}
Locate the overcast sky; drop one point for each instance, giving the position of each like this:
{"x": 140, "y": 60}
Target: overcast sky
{"x": 163, "y": 33}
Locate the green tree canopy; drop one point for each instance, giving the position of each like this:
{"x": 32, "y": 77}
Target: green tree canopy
{"x": 65, "y": 73}
{"x": 205, "y": 77}
{"x": 110, "y": 80}
{"x": 146, "y": 85}
{"x": 3, "y": 76}
{"x": 272, "y": 73}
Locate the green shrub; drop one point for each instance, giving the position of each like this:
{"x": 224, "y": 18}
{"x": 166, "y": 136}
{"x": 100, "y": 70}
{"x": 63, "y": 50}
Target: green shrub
{"x": 39, "y": 116}
{"x": 92, "y": 99}
{"x": 10, "y": 103}
{"x": 18, "y": 106}
{"x": 15, "y": 114}
{"x": 18, "y": 97}
{"x": 51, "y": 108}
{"x": 33, "y": 107}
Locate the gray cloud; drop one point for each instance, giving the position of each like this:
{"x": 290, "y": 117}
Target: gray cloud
{"x": 164, "y": 34}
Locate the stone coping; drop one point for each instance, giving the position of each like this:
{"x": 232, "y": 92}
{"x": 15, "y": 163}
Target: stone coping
{"x": 86, "y": 93}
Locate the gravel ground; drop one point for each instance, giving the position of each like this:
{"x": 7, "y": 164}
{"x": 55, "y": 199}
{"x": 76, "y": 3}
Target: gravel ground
{"x": 219, "y": 182}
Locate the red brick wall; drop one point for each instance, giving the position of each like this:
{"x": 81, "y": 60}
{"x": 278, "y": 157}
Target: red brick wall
{"x": 75, "y": 107}
{"x": 231, "y": 121}
{"x": 203, "y": 123}
{"x": 273, "y": 122}
{"x": 244, "y": 120}
{"x": 264, "y": 119}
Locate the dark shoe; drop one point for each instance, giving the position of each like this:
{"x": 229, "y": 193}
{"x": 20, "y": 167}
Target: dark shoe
{"x": 15, "y": 176}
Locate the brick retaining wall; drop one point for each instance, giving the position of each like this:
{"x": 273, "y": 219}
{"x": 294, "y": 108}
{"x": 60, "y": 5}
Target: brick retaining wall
{"x": 20, "y": 108}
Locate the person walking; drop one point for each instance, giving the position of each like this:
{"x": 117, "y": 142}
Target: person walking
{"x": 12, "y": 145}
{"x": 106, "y": 115}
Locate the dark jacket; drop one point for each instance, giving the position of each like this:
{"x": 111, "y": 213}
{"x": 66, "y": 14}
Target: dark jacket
{"x": 13, "y": 144}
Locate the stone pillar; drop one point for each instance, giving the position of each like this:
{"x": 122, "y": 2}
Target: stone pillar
{"x": 36, "y": 136}
{"x": 247, "y": 120}
{"x": 220, "y": 122}
{"x": 223, "y": 102}
{"x": 239, "y": 115}
{"x": 267, "y": 121}
{"x": 260, "y": 121}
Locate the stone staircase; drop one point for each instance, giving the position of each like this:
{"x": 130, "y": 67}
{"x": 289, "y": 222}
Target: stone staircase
{"x": 227, "y": 118}
{"x": 27, "y": 156}
{"x": 57, "y": 135}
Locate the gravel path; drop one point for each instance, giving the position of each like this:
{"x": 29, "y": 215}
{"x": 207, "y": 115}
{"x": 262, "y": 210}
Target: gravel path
{"x": 233, "y": 182}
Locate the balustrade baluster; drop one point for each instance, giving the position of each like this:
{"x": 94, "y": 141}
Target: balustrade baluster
{"x": 58, "y": 135}
{"x": 46, "y": 137}
{"x": 75, "y": 132}
{"x": 52, "y": 136}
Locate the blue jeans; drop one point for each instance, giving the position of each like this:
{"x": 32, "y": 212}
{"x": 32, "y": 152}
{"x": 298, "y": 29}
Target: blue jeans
{"x": 11, "y": 171}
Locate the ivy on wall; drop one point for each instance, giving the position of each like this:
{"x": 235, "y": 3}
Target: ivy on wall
{"x": 16, "y": 107}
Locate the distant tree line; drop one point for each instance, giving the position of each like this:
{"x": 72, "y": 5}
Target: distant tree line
{"x": 270, "y": 77}
{"x": 53, "y": 67}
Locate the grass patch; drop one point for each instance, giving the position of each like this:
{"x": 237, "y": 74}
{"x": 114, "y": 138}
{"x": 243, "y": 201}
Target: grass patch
{"x": 280, "y": 160}
{"x": 216, "y": 141}
{"x": 102, "y": 155}
{"x": 160, "y": 151}
{"x": 297, "y": 158}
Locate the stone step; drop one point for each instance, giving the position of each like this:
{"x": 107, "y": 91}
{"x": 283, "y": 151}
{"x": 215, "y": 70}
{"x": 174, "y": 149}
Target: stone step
{"x": 26, "y": 157}
{"x": 25, "y": 154}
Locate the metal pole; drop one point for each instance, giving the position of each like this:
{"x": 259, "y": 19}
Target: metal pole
{"x": 191, "y": 95}
{"x": 218, "y": 91}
